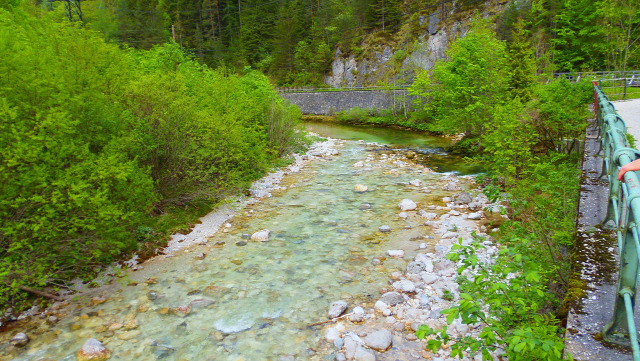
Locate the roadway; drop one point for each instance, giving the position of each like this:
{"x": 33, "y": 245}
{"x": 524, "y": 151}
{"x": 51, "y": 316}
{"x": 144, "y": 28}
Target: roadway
{"x": 629, "y": 110}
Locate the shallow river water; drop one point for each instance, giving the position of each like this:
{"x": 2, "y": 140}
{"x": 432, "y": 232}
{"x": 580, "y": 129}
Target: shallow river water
{"x": 257, "y": 300}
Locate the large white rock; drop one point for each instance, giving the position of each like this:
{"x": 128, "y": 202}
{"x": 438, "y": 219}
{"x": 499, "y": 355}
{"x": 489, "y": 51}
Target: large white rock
{"x": 261, "y": 236}
{"x": 93, "y": 350}
{"x": 407, "y": 205}
{"x": 395, "y": 253}
{"x": 336, "y": 309}
{"x": 20, "y": 339}
{"x": 379, "y": 340}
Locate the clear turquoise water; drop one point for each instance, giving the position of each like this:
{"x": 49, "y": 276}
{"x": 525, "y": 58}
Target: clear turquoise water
{"x": 263, "y": 296}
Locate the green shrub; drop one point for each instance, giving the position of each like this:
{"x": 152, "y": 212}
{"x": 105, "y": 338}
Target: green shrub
{"x": 94, "y": 138}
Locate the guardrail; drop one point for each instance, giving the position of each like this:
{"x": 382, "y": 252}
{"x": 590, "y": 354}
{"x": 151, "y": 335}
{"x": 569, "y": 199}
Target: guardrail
{"x": 624, "y": 210}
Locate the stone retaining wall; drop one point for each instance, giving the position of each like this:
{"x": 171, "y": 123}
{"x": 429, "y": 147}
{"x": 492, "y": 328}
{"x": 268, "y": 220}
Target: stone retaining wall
{"x": 330, "y": 102}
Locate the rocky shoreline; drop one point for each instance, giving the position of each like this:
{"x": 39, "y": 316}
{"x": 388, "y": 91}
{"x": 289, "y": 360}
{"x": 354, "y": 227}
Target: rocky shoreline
{"x": 417, "y": 296}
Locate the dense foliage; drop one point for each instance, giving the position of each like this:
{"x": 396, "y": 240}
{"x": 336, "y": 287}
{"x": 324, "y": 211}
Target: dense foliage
{"x": 95, "y": 138}
{"x": 527, "y": 135}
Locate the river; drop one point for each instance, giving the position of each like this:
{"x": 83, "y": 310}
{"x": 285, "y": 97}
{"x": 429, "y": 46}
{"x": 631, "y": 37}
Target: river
{"x": 235, "y": 299}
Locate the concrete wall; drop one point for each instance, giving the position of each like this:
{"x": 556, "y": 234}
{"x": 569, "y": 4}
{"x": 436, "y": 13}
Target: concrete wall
{"x": 330, "y": 102}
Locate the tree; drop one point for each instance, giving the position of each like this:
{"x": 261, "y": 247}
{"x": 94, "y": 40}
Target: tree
{"x": 463, "y": 90}
{"x": 522, "y": 63}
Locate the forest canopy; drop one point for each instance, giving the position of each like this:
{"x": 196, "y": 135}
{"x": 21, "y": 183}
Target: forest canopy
{"x": 294, "y": 41}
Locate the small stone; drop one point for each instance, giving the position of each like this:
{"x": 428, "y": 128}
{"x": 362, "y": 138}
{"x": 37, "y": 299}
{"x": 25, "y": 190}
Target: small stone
{"x": 403, "y": 215}
{"x": 407, "y": 205}
{"x": 128, "y": 335}
{"x": 362, "y": 354}
{"x": 379, "y": 340}
{"x": 365, "y": 206}
{"x": 201, "y": 302}
{"x": 336, "y": 309}
{"x": 360, "y": 188}
{"x": 241, "y": 243}
{"x": 415, "y": 267}
{"x": 332, "y": 334}
{"x": 384, "y": 229}
{"x": 338, "y": 343}
{"x": 405, "y": 286}
{"x": 416, "y": 182}
{"x": 152, "y": 296}
{"x": 93, "y": 350}
{"x": 392, "y": 298}
{"x": 422, "y": 246}
{"x": 381, "y": 306}
{"x": 131, "y": 324}
{"x": 424, "y": 301}
{"x": 52, "y": 320}
{"x": 429, "y": 278}
{"x": 200, "y": 256}
{"x": 395, "y": 253}
{"x": 261, "y": 236}
{"x": 181, "y": 311}
{"x": 20, "y": 339}
{"x": 98, "y": 300}
{"x": 115, "y": 326}
{"x": 474, "y": 216}
{"x": 357, "y": 315}
{"x": 246, "y": 236}
{"x": 427, "y": 215}
{"x": 452, "y": 186}
{"x": 463, "y": 198}
{"x": 350, "y": 347}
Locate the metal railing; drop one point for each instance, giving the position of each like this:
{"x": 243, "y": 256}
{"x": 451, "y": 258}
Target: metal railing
{"x": 624, "y": 210}
{"x": 302, "y": 89}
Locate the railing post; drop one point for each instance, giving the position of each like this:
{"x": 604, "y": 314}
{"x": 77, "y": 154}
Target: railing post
{"x": 624, "y": 96}
{"x": 617, "y": 331}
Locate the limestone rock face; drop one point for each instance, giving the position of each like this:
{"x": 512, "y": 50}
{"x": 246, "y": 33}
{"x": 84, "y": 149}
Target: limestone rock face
{"x": 93, "y": 350}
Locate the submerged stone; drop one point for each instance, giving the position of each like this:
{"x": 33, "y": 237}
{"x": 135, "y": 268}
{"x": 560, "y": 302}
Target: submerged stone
{"x": 93, "y": 350}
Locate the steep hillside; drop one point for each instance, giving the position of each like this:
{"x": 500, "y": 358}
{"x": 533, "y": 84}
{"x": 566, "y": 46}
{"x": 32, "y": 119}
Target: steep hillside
{"x": 393, "y": 58}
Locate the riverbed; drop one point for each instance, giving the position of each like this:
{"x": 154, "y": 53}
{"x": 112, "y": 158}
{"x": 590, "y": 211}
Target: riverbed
{"x": 230, "y": 297}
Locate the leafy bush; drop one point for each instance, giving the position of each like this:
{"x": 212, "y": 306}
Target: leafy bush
{"x": 560, "y": 113}
{"x": 94, "y": 138}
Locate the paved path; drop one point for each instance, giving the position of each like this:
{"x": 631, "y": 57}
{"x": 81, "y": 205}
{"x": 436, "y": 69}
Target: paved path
{"x": 629, "y": 110}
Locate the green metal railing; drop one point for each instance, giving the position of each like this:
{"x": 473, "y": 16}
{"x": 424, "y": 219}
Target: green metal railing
{"x": 624, "y": 210}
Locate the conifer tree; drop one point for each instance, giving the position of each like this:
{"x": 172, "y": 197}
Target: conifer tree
{"x": 522, "y": 62}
